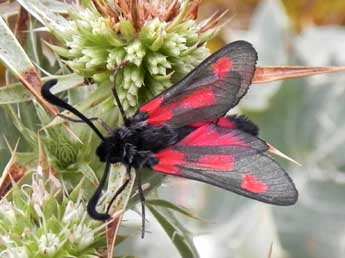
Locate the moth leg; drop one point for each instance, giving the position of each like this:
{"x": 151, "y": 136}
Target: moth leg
{"x": 76, "y": 120}
{"x": 122, "y": 187}
{"x": 147, "y": 156}
{"x": 116, "y": 96}
{"x": 142, "y": 201}
{"x": 105, "y": 126}
{"x": 99, "y": 120}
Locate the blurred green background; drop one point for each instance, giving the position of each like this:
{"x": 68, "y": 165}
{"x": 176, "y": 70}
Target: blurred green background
{"x": 303, "y": 118}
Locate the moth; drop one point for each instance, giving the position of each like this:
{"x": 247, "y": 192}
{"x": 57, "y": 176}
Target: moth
{"x": 184, "y": 132}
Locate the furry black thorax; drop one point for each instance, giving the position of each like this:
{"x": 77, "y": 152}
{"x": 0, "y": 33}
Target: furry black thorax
{"x": 136, "y": 143}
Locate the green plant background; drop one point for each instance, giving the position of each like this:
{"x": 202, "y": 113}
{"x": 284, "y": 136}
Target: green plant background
{"x": 303, "y": 118}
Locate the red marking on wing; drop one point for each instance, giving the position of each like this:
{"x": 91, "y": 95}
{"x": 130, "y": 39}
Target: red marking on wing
{"x": 200, "y": 98}
{"x": 208, "y": 136}
{"x": 167, "y": 161}
{"x": 252, "y": 184}
{"x": 160, "y": 113}
{"x": 152, "y": 105}
{"x": 222, "y": 66}
{"x": 226, "y": 123}
{"x": 202, "y": 123}
{"x": 216, "y": 162}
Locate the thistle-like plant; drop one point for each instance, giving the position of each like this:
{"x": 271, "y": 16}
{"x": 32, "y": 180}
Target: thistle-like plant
{"x": 40, "y": 220}
{"x": 160, "y": 42}
{"x": 50, "y": 176}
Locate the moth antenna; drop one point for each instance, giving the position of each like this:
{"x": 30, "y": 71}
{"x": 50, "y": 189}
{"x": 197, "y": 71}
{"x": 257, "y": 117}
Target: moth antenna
{"x": 118, "y": 102}
{"x": 116, "y": 95}
{"x": 277, "y": 152}
{"x": 51, "y": 98}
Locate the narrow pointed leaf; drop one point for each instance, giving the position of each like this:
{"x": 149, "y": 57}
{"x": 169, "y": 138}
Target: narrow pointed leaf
{"x": 177, "y": 234}
{"x": 112, "y": 229}
{"x": 273, "y": 73}
{"x": 14, "y": 57}
{"x": 8, "y": 9}
{"x": 13, "y": 172}
{"x": 27, "y": 134}
{"x": 56, "y": 23}
{"x": 43, "y": 162}
{"x": 97, "y": 96}
{"x": 173, "y": 207}
{"x": 16, "y": 93}
{"x": 12, "y": 54}
{"x": 181, "y": 15}
{"x": 116, "y": 179}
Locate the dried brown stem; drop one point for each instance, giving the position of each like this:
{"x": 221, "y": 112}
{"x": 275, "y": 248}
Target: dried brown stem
{"x": 22, "y": 25}
{"x": 193, "y": 8}
{"x": 213, "y": 22}
{"x": 133, "y": 6}
{"x": 112, "y": 229}
{"x": 32, "y": 81}
{"x": 171, "y": 11}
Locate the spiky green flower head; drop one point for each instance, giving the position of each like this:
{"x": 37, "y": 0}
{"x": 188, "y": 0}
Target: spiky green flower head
{"x": 160, "y": 42}
{"x": 63, "y": 152}
{"x": 39, "y": 220}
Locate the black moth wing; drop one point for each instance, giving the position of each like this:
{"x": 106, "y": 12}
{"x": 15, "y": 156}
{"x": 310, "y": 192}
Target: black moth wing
{"x": 208, "y": 92}
{"x": 230, "y": 159}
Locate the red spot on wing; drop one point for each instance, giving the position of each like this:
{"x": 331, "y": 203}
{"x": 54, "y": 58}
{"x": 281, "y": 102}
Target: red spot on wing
{"x": 159, "y": 113}
{"x": 151, "y": 105}
{"x": 208, "y": 136}
{"x": 161, "y": 116}
{"x": 226, "y": 123}
{"x": 216, "y": 162}
{"x": 167, "y": 161}
{"x": 202, "y": 97}
{"x": 222, "y": 66}
{"x": 252, "y": 184}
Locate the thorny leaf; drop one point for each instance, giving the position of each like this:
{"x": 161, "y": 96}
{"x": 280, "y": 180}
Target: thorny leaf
{"x": 274, "y": 73}
{"x": 22, "y": 25}
{"x": 12, "y": 173}
{"x": 173, "y": 207}
{"x": 119, "y": 205}
{"x": 112, "y": 230}
{"x": 15, "y": 58}
{"x": 176, "y": 232}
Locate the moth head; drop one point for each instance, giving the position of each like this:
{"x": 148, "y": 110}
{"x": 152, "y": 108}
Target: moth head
{"x": 111, "y": 149}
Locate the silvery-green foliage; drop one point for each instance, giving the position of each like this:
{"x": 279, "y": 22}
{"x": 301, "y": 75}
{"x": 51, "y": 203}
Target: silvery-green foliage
{"x": 34, "y": 222}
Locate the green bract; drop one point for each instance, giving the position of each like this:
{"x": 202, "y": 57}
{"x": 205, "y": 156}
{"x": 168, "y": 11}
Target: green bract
{"x": 64, "y": 152}
{"x": 158, "y": 51}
